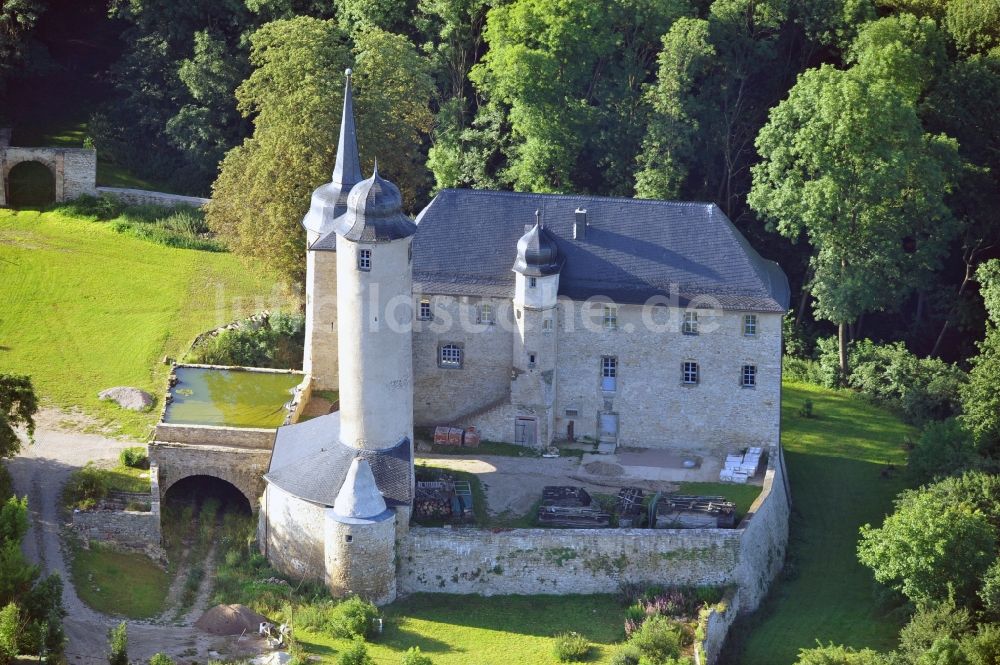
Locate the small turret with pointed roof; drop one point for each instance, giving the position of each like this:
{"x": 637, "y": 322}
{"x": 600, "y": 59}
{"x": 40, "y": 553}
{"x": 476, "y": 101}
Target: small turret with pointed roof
{"x": 330, "y": 199}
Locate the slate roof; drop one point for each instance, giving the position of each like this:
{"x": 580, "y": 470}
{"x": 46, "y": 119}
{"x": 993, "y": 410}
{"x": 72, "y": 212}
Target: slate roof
{"x": 310, "y": 463}
{"x": 634, "y": 249}
{"x": 374, "y": 214}
{"x": 330, "y": 199}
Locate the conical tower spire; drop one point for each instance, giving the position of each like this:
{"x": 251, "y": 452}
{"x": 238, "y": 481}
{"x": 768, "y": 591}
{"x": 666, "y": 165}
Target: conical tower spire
{"x": 347, "y": 170}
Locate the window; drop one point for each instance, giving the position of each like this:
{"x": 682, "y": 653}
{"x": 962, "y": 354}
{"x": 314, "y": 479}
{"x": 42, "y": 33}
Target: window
{"x": 749, "y": 379}
{"x": 451, "y": 356}
{"x": 364, "y": 259}
{"x": 610, "y": 317}
{"x": 532, "y": 282}
{"x": 531, "y": 360}
{"x": 690, "y": 323}
{"x": 749, "y": 325}
{"x": 425, "y": 313}
{"x": 689, "y": 372}
{"x": 485, "y": 314}
{"x": 609, "y": 373}
{"x": 547, "y": 325}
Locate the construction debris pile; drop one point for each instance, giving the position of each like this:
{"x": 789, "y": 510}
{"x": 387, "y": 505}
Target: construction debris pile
{"x": 571, "y": 507}
{"x": 680, "y": 511}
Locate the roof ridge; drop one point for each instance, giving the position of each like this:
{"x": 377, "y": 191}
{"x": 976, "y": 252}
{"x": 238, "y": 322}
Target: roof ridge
{"x": 505, "y": 193}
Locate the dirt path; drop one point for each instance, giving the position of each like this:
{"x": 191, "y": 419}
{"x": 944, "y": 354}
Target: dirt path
{"x": 39, "y": 472}
{"x": 200, "y": 603}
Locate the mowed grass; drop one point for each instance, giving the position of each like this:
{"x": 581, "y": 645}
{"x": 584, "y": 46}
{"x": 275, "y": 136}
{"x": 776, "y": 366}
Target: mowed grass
{"x": 119, "y": 584}
{"x": 85, "y": 308}
{"x": 500, "y": 630}
{"x": 834, "y": 464}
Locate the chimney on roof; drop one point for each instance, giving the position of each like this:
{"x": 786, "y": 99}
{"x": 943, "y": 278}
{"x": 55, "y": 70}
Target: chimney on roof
{"x": 580, "y": 225}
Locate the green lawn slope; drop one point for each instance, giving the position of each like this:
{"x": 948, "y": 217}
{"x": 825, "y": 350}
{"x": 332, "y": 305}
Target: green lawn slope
{"x": 83, "y": 308}
{"x": 835, "y": 460}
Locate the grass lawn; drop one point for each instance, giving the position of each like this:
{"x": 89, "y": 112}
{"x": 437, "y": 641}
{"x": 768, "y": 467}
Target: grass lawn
{"x": 502, "y": 630}
{"x": 127, "y": 479}
{"x": 86, "y": 309}
{"x": 834, "y": 462}
{"x": 120, "y": 584}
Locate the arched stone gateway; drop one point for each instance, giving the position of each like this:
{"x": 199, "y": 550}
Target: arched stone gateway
{"x": 73, "y": 170}
{"x": 241, "y": 468}
{"x": 199, "y": 487}
{"x": 31, "y": 185}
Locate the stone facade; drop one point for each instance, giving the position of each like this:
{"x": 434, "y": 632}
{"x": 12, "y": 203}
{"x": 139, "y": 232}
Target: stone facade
{"x": 650, "y": 404}
{"x": 291, "y": 533}
{"x": 74, "y": 169}
{"x": 143, "y": 197}
{"x": 320, "y": 358}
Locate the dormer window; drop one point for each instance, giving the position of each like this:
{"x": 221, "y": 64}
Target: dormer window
{"x": 532, "y": 282}
{"x": 364, "y": 259}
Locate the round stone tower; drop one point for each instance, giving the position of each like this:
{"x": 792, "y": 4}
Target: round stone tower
{"x": 374, "y": 326}
{"x": 536, "y": 289}
{"x": 360, "y": 533}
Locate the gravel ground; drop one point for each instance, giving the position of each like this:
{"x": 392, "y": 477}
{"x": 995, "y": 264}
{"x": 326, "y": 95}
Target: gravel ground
{"x": 39, "y": 472}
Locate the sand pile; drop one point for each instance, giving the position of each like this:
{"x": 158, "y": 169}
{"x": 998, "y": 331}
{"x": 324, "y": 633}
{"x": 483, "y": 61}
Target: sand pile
{"x": 229, "y": 620}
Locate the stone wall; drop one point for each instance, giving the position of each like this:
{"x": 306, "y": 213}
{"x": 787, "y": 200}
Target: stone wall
{"x": 146, "y": 197}
{"x": 126, "y": 529}
{"x": 320, "y": 357}
{"x": 74, "y": 169}
{"x": 565, "y": 561}
{"x": 291, "y": 534}
{"x": 211, "y": 435}
{"x": 714, "y": 624}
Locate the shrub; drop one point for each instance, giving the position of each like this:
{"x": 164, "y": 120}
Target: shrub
{"x": 414, "y": 657}
{"x": 571, "y": 647}
{"x": 838, "y": 655}
{"x": 801, "y": 370}
{"x": 356, "y": 654}
{"x": 930, "y": 623}
{"x": 807, "y": 409}
{"x": 277, "y": 342}
{"x": 161, "y": 659}
{"x": 983, "y": 648}
{"x": 923, "y": 389}
{"x": 626, "y": 654}
{"x": 10, "y": 625}
{"x": 658, "y": 639}
{"x": 134, "y": 457}
{"x": 990, "y": 591}
{"x": 118, "y": 645}
{"x": 86, "y": 487}
{"x": 353, "y": 618}
{"x": 943, "y": 449}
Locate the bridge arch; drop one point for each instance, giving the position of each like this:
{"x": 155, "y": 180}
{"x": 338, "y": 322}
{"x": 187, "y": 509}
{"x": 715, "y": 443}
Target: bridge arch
{"x": 219, "y": 476}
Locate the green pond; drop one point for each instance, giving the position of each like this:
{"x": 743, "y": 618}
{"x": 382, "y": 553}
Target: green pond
{"x": 230, "y": 398}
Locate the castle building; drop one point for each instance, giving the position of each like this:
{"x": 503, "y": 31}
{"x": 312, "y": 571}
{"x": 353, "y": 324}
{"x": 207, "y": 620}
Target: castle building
{"x": 531, "y": 317}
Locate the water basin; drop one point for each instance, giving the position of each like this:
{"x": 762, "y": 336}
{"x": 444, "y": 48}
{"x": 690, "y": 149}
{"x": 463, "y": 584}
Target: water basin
{"x": 230, "y": 397}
